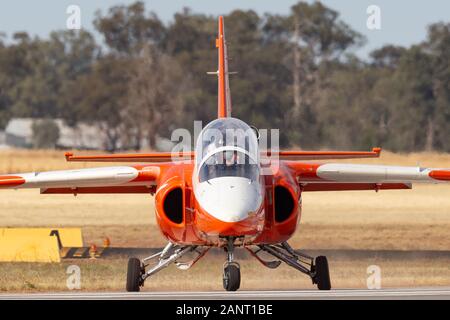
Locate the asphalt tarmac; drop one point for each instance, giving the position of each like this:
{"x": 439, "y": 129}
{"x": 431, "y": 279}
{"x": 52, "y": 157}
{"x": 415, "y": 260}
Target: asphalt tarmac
{"x": 381, "y": 294}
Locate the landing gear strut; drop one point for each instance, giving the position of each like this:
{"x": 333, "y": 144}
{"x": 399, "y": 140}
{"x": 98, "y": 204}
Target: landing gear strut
{"x": 231, "y": 269}
{"x": 137, "y": 274}
{"x": 316, "y": 269}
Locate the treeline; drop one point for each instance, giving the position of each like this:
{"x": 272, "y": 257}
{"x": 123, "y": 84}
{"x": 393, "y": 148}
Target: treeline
{"x": 295, "y": 72}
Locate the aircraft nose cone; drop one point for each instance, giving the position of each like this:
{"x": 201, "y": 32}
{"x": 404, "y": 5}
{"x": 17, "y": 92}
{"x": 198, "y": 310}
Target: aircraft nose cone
{"x": 230, "y": 199}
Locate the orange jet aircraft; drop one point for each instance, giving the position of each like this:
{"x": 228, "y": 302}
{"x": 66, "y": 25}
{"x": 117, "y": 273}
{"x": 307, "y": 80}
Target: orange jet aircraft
{"x": 218, "y": 195}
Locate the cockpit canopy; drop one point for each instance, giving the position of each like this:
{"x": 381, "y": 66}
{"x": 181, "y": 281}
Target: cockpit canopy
{"x": 228, "y": 164}
{"x": 227, "y": 147}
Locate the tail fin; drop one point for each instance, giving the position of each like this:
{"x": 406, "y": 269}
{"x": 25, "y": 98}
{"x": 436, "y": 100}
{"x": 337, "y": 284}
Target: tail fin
{"x": 224, "y": 99}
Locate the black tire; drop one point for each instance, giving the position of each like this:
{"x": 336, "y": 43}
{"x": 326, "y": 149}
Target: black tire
{"x": 322, "y": 273}
{"x": 231, "y": 277}
{"x": 134, "y": 275}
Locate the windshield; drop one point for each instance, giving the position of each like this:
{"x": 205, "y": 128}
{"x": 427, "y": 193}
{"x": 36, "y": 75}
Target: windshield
{"x": 226, "y": 133}
{"x": 229, "y": 163}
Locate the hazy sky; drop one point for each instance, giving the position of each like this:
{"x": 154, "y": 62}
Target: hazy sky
{"x": 402, "y": 22}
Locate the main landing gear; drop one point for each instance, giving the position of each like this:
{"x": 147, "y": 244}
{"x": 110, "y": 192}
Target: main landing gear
{"x": 316, "y": 269}
{"x": 140, "y": 270}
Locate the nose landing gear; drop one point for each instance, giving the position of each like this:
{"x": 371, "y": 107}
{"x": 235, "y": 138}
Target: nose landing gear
{"x": 231, "y": 269}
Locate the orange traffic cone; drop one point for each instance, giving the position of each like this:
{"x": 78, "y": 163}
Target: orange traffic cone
{"x": 93, "y": 251}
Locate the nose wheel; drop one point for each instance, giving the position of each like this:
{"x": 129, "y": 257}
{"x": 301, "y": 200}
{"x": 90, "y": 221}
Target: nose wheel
{"x": 231, "y": 276}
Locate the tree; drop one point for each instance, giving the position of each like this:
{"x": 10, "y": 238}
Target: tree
{"x": 387, "y": 56}
{"x": 43, "y": 70}
{"x": 259, "y": 90}
{"x": 295, "y": 72}
{"x": 4, "y": 88}
{"x": 190, "y": 40}
{"x": 438, "y": 47}
{"x": 347, "y": 114}
{"x": 79, "y": 53}
{"x": 102, "y": 97}
{"x": 155, "y": 96}
{"x": 127, "y": 29}
{"x": 318, "y": 38}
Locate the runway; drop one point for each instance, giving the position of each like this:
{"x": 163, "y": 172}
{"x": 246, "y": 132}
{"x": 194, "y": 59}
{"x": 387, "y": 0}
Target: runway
{"x": 240, "y": 253}
{"x": 341, "y": 294}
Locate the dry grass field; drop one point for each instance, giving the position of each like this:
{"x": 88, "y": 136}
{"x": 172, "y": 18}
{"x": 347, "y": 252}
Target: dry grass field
{"x": 417, "y": 219}
{"x": 109, "y": 275}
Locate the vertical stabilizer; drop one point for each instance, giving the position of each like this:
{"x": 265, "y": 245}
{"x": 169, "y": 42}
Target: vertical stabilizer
{"x": 224, "y": 99}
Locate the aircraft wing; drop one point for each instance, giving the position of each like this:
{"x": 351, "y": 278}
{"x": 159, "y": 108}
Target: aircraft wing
{"x": 132, "y": 157}
{"x": 189, "y": 155}
{"x": 322, "y": 155}
{"x": 340, "y": 176}
{"x": 120, "y": 179}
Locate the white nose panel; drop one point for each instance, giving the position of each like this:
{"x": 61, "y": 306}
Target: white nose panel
{"x": 229, "y": 199}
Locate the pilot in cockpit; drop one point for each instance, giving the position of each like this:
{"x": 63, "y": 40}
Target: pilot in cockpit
{"x": 231, "y": 158}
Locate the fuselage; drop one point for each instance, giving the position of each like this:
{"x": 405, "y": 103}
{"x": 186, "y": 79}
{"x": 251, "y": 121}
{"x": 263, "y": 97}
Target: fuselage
{"x": 224, "y": 193}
